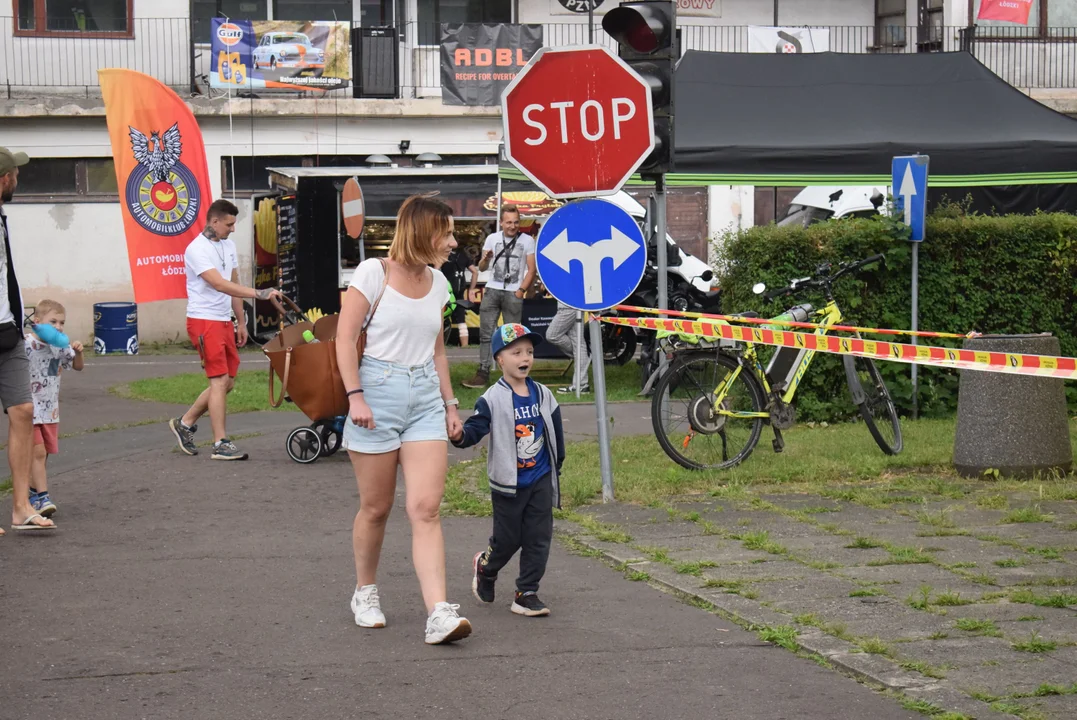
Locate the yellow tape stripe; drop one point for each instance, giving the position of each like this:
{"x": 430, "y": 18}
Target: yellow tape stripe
{"x": 1012, "y": 363}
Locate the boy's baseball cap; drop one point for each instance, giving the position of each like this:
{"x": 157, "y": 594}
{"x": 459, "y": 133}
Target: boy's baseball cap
{"x": 11, "y": 160}
{"x": 509, "y": 333}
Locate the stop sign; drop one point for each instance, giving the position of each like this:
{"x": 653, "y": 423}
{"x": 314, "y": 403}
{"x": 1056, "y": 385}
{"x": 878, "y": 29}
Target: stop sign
{"x": 578, "y": 121}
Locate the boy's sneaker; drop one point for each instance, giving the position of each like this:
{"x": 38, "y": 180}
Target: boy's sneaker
{"x": 184, "y": 435}
{"x": 529, "y": 605}
{"x": 481, "y": 586}
{"x": 585, "y": 388}
{"x": 367, "y": 607}
{"x": 43, "y": 504}
{"x": 226, "y": 450}
{"x": 445, "y": 626}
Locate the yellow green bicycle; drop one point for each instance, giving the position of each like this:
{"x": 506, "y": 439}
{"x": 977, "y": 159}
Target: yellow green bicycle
{"x": 709, "y": 407}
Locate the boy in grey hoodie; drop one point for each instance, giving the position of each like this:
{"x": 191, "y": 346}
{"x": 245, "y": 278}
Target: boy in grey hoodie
{"x": 523, "y": 463}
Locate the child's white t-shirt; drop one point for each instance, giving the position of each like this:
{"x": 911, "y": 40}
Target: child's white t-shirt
{"x": 46, "y": 362}
{"x": 404, "y": 330}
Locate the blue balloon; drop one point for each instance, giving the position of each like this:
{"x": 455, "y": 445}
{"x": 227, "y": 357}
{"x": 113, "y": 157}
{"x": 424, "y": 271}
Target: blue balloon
{"x": 52, "y": 336}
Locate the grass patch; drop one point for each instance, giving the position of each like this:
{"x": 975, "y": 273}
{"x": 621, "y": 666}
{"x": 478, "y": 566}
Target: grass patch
{"x": 866, "y": 592}
{"x": 864, "y": 543}
{"x": 694, "y": 568}
{"x": 822, "y": 565}
{"x": 1047, "y": 553}
{"x": 249, "y": 395}
{"x": 1010, "y": 563}
{"x": 656, "y": 554}
{"x": 938, "y": 635}
{"x": 932, "y": 711}
{"x": 730, "y": 586}
{"x": 939, "y": 519}
{"x": 1030, "y": 618}
{"x": 1030, "y": 514}
{"x": 921, "y": 602}
{"x": 924, "y": 669}
{"x": 900, "y": 555}
{"x": 809, "y": 619}
{"x": 636, "y": 575}
{"x": 951, "y": 599}
{"x": 760, "y": 540}
{"x": 993, "y": 502}
{"x": 1034, "y": 644}
{"x": 875, "y": 646}
{"x": 783, "y": 635}
{"x": 1028, "y": 596}
{"x": 987, "y": 628}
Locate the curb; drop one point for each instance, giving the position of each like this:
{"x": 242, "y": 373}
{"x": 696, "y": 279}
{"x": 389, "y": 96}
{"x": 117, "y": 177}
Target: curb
{"x": 874, "y": 670}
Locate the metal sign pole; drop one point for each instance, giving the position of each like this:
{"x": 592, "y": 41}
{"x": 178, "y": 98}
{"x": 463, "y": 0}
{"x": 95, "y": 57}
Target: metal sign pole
{"x": 577, "y": 378}
{"x": 915, "y": 324}
{"x": 590, "y": 22}
{"x": 661, "y": 248}
{"x": 604, "y": 460}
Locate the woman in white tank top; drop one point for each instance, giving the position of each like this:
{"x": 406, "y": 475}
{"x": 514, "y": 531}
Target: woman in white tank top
{"x": 401, "y": 407}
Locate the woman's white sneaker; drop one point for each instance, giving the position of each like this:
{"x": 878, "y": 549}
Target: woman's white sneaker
{"x": 367, "y": 607}
{"x": 444, "y": 625}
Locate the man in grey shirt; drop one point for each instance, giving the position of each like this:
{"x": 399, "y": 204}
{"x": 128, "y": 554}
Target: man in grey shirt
{"x": 510, "y": 256}
{"x": 14, "y": 367}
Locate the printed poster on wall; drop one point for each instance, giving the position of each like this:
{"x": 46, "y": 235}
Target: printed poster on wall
{"x": 281, "y": 54}
{"x": 765, "y": 39}
{"x": 479, "y": 61}
{"x": 1014, "y": 11}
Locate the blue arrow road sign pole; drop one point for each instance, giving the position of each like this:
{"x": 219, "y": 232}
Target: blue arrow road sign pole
{"x": 591, "y": 255}
{"x": 909, "y": 189}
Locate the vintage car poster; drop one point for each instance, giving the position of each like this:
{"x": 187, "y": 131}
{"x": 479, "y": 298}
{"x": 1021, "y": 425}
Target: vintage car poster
{"x": 281, "y": 54}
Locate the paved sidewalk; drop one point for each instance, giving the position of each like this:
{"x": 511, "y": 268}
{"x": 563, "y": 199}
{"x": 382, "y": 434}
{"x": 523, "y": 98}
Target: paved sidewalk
{"x": 182, "y": 588}
{"x": 947, "y": 590}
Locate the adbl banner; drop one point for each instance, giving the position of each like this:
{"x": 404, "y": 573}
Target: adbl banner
{"x": 162, "y": 177}
{"x": 1015, "y": 11}
{"x": 282, "y": 54}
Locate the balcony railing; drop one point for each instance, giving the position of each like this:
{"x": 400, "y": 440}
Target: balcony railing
{"x": 161, "y": 47}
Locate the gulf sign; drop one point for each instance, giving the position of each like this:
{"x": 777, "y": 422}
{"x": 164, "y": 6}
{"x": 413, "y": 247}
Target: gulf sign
{"x": 229, "y": 33}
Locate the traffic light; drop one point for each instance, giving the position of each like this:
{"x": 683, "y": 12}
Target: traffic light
{"x": 645, "y": 31}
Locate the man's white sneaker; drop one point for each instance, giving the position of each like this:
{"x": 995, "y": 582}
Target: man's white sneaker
{"x": 367, "y": 607}
{"x": 444, "y": 625}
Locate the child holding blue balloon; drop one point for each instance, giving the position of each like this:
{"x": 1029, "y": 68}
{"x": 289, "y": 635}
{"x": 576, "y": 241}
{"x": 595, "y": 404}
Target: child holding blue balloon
{"x": 50, "y": 352}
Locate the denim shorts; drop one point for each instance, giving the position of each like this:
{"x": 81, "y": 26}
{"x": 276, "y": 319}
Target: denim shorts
{"x": 406, "y": 403}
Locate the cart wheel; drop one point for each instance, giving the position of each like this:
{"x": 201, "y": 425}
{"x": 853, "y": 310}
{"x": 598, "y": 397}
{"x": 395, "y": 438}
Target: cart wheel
{"x": 329, "y": 435}
{"x": 304, "y": 445}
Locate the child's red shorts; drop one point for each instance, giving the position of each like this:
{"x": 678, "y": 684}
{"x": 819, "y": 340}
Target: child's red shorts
{"x": 216, "y": 344}
{"x": 49, "y": 436}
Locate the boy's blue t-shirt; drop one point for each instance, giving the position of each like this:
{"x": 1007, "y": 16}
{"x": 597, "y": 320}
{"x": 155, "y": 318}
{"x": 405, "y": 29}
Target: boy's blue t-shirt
{"x": 532, "y": 458}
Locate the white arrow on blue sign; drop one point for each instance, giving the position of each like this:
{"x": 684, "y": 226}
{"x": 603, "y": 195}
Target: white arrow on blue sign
{"x": 909, "y": 188}
{"x": 590, "y": 255}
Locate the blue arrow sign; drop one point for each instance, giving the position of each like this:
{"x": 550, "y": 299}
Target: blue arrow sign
{"x": 590, "y": 255}
{"x": 909, "y": 188}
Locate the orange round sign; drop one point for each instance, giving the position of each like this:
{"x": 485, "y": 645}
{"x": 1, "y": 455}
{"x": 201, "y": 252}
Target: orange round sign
{"x": 351, "y": 204}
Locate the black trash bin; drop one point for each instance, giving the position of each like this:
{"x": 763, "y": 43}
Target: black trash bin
{"x": 1015, "y": 424}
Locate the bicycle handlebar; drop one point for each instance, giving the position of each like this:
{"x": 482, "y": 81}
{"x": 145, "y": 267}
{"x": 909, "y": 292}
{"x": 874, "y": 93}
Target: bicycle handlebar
{"x": 822, "y": 277}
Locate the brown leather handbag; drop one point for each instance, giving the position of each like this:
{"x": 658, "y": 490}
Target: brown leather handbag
{"x": 308, "y": 372}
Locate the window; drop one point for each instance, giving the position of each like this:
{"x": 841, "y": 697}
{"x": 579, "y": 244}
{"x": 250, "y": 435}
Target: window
{"x": 889, "y": 24}
{"x": 74, "y": 17}
{"x": 431, "y": 13}
{"x": 338, "y": 10}
{"x": 89, "y": 178}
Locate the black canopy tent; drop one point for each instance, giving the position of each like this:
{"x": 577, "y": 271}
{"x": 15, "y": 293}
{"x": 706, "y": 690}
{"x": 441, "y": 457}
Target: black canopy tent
{"x": 830, "y": 118}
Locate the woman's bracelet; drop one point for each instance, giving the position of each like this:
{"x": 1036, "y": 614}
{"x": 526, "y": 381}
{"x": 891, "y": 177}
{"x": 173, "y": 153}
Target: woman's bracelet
{"x": 353, "y": 392}
{"x": 451, "y": 401}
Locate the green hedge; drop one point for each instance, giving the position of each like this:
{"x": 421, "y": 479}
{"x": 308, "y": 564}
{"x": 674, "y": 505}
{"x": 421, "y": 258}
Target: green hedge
{"x": 1007, "y": 274}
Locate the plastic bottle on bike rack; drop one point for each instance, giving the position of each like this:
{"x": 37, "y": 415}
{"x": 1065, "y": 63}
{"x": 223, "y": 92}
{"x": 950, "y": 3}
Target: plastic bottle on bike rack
{"x": 785, "y": 362}
{"x": 308, "y": 336}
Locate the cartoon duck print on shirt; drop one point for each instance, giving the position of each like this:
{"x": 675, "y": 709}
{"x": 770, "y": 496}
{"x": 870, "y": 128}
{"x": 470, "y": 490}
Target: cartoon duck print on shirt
{"x": 528, "y": 445}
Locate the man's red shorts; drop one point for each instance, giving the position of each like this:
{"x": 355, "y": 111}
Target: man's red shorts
{"x": 216, "y": 343}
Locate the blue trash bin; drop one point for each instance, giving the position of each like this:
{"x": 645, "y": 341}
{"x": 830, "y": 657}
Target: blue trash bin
{"x": 115, "y": 328}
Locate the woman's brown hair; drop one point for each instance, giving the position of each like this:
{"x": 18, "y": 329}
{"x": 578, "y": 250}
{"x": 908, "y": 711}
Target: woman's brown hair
{"x": 420, "y": 220}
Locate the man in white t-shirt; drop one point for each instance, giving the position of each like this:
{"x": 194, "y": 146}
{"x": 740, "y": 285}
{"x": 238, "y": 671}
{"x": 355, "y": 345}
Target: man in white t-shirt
{"x": 211, "y": 300}
{"x": 510, "y": 257}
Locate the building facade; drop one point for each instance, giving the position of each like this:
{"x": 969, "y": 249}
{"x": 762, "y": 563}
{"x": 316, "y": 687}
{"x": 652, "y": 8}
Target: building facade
{"x": 66, "y": 225}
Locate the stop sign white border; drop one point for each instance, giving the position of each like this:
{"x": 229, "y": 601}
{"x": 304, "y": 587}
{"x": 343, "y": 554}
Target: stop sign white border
{"x": 505, "y": 119}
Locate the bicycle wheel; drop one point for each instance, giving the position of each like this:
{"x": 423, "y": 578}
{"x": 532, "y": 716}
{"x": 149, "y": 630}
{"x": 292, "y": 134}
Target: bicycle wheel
{"x": 877, "y": 407}
{"x": 683, "y": 411}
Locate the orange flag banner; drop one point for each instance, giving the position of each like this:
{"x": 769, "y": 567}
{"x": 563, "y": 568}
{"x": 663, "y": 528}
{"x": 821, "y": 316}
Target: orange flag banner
{"x": 162, "y": 176}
